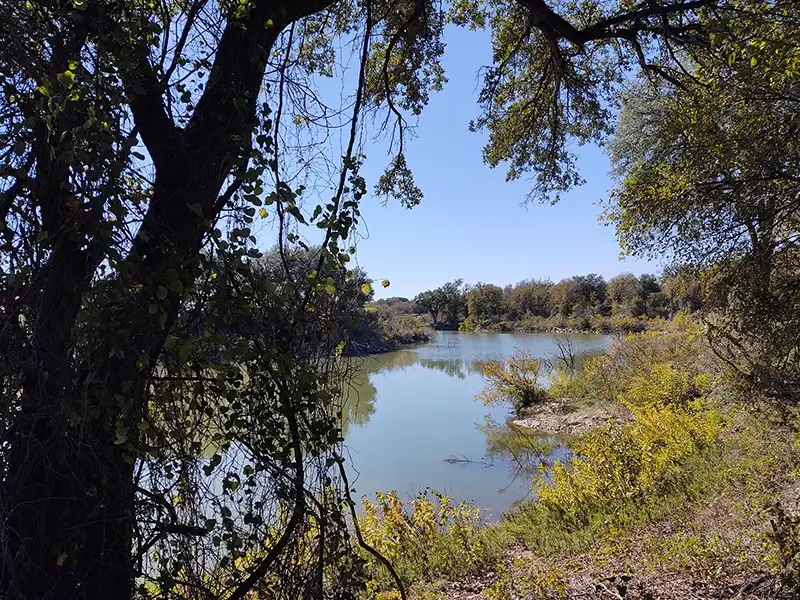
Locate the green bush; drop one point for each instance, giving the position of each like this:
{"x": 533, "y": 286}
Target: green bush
{"x": 515, "y": 380}
{"x": 622, "y": 464}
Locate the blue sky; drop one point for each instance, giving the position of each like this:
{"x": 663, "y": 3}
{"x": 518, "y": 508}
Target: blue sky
{"x": 471, "y": 223}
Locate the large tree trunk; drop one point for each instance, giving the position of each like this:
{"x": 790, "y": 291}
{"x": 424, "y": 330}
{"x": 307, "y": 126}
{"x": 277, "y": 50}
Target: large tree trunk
{"x": 69, "y": 493}
{"x": 70, "y": 525}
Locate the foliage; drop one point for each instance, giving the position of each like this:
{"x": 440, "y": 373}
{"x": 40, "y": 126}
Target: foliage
{"x": 445, "y": 304}
{"x": 485, "y": 302}
{"x": 679, "y": 352}
{"x": 618, "y": 465}
{"x": 433, "y": 539}
{"x": 524, "y": 579}
{"x": 579, "y": 303}
{"x": 515, "y": 380}
{"x": 141, "y": 142}
{"x": 381, "y": 330}
{"x": 680, "y": 444}
{"x": 713, "y": 183}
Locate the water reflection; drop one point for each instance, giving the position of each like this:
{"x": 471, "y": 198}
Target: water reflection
{"x": 411, "y": 421}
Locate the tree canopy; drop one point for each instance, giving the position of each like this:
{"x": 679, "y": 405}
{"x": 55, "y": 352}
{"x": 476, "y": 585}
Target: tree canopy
{"x": 142, "y": 145}
{"x": 709, "y": 173}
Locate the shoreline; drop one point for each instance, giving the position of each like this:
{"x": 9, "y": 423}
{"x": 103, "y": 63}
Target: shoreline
{"x": 563, "y": 417}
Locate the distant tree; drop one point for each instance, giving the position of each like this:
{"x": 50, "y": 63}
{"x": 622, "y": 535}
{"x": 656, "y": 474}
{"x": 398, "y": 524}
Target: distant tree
{"x": 647, "y": 288}
{"x": 530, "y": 298}
{"x": 622, "y": 292}
{"x": 431, "y": 301}
{"x": 577, "y": 294}
{"x": 486, "y": 302}
{"x": 445, "y": 304}
{"x": 683, "y": 290}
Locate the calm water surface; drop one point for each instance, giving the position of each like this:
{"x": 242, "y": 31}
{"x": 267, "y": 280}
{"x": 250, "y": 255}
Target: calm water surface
{"x": 412, "y": 421}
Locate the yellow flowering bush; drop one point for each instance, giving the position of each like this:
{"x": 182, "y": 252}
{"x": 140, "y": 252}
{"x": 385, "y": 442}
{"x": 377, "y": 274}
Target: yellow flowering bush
{"x": 617, "y": 464}
{"x": 663, "y": 384}
{"x": 669, "y": 366}
{"x": 430, "y": 538}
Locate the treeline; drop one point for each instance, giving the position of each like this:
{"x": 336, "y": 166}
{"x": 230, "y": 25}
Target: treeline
{"x": 581, "y": 302}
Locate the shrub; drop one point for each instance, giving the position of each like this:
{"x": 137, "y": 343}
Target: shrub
{"x": 676, "y": 360}
{"x": 515, "y": 380}
{"x": 620, "y": 464}
{"x": 435, "y": 539}
{"x": 663, "y": 384}
{"x": 468, "y": 324}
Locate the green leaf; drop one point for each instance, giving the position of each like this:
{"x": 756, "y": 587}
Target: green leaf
{"x": 66, "y": 79}
{"x": 122, "y": 435}
{"x": 43, "y": 90}
{"x": 153, "y": 308}
{"x": 161, "y": 292}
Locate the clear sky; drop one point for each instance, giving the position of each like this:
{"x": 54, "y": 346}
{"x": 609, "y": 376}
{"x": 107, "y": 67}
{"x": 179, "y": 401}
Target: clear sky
{"x": 471, "y": 223}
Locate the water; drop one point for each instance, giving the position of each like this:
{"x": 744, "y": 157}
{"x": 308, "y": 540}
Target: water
{"x": 408, "y": 412}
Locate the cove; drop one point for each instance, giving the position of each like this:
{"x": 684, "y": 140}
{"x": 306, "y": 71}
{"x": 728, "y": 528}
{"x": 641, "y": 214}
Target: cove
{"x": 411, "y": 420}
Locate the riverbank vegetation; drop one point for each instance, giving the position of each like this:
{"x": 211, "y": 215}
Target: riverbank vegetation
{"x": 625, "y": 303}
{"x": 384, "y": 327}
{"x": 639, "y": 502}
{"x": 168, "y": 417}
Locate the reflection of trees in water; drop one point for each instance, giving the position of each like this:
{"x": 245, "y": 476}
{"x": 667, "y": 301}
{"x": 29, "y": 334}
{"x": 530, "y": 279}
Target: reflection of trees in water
{"x": 453, "y": 368}
{"x": 358, "y": 400}
{"x": 526, "y": 455}
{"x": 359, "y": 395}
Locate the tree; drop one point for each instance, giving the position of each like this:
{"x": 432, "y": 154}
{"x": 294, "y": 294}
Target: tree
{"x": 530, "y": 299}
{"x": 622, "y": 291}
{"x": 683, "y": 289}
{"x": 445, "y": 304}
{"x": 139, "y": 142}
{"x": 579, "y": 293}
{"x": 486, "y": 302}
{"x": 709, "y": 173}
{"x": 431, "y": 301}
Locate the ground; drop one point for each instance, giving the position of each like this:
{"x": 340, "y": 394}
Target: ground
{"x": 565, "y": 416}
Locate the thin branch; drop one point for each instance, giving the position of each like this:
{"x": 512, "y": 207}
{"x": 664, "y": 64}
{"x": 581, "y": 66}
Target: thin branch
{"x": 401, "y": 588}
{"x": 348, "y": 157}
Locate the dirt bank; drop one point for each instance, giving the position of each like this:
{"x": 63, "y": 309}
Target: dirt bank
{"x": 567, "y": 417}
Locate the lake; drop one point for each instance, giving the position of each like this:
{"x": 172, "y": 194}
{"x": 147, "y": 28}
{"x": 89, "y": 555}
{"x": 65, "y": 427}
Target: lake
{"x": 411, "y": 420}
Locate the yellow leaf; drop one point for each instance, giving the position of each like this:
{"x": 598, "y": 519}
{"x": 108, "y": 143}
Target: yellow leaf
{"x": 385, "y": 283}
{"x": 262, "y": 212}
{"x": 61, "y": 559}
{"x": 366, "y": 289}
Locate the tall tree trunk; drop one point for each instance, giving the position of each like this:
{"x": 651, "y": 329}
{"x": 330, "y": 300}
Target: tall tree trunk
{"x": 68, "y": 496}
